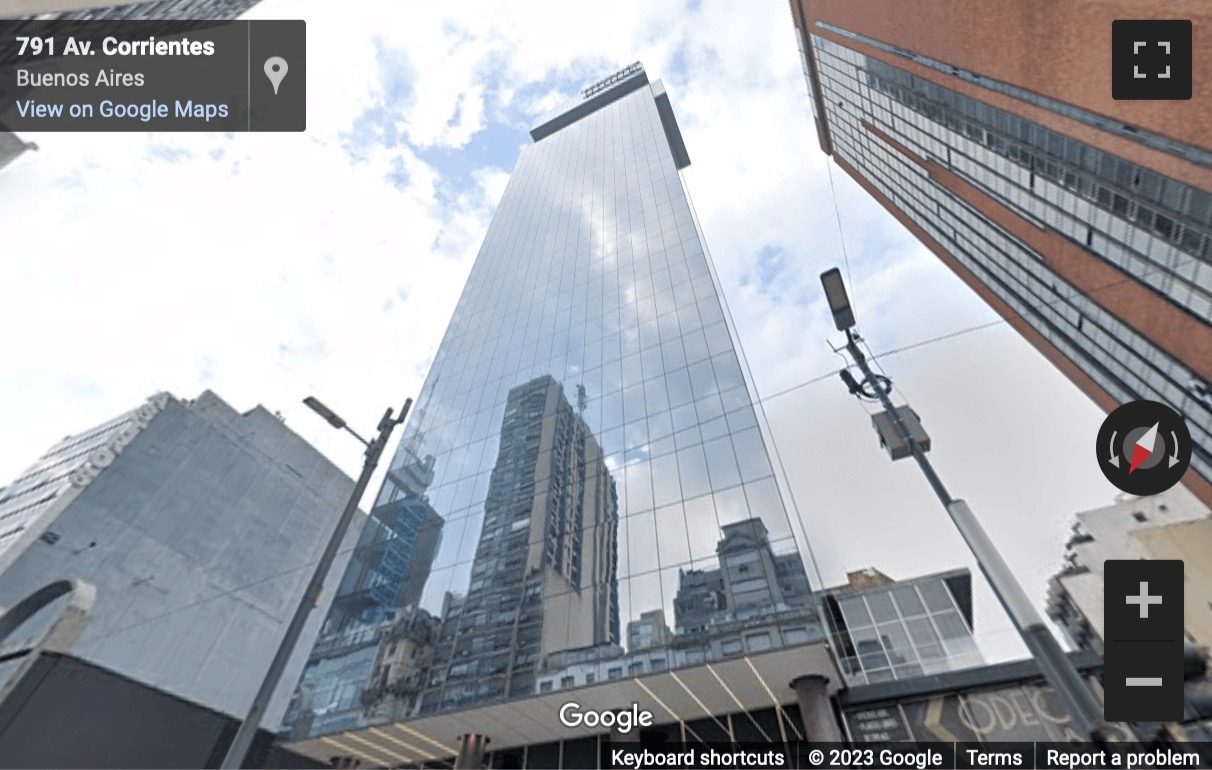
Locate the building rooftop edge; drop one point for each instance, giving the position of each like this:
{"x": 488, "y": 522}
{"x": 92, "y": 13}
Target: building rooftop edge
{"x": 591, "y": 99}
{"x": 963, "y": 679}
{"x": 846, "y": 588}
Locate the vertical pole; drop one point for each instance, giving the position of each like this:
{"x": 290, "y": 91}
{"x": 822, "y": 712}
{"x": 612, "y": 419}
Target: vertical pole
{"x": 816, "y": 711}
{"x": 238, "y": 750}
{"x": 471, "y": 752}
{"x": 1058, "y": 671}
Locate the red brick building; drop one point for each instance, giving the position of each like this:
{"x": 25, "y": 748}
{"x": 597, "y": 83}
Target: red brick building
{"x": 989, "y": 130}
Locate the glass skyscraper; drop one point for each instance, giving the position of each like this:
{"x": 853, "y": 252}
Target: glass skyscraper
{"x": 602, "y": 501}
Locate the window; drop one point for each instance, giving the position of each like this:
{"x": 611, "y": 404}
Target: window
{"x": 614, "y": 672}
{"x": 635, "y": 669}
{"x": 545, "y": 686}
{"x": 874, "y": 660}
{"x": 1163, "y": 225}
{"x": 951, "y": 625}
{"x": 566, "y": 682}
{"x": 908, "y": 601}
{"x": 936, "y": 596}
{"x": 1119, "y": 205}
{"x": 922, "y": 632}
{"x": 749, "y": 584}
{"x": 795, "y": 635}
{"x": 758, "y": 642}
{"x": 591, "y": 677}
{"x": 881, "y": 607}
{"x": 855, "y": 612}
{"x": 731, "y": 647}
{"x": 747, "y": 557}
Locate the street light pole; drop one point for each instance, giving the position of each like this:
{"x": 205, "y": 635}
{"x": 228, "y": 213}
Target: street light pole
{"x": 238, "y": 750}
{"x": 1057, "y": 669}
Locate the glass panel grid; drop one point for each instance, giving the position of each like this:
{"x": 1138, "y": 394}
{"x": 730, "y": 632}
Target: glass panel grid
{"x": 582, "y": 492}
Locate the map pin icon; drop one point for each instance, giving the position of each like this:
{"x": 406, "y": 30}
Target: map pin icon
{"x": 275, "y": 70}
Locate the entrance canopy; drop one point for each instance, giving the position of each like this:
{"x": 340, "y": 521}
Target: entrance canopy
{"x": 739, "y": 684}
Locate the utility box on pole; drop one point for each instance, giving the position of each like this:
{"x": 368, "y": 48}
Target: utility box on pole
{"x": 890, "y": 437}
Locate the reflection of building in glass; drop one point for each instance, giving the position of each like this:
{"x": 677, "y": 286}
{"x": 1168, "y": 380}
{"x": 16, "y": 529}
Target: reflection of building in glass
{"x": 750, "y": 576}
{"x": 544, "y": 579}
{"x": 755, "y": 601}
{"x": 649, "y": 631}
{"x": 1084, "y": 221}
{"x": 398, "y": 553}
{"x": 901, "y": 629}
{"x": 375, "y": 631}
{"x": 598, "y": 462}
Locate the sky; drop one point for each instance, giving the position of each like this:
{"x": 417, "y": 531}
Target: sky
{"x": 270, "y": 267}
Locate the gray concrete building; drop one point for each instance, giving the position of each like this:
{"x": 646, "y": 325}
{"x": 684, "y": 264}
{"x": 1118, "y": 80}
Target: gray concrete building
{"x": 197, "y": 526}
{"x": 12, "y": 146}
{"x": 139, "y": 10}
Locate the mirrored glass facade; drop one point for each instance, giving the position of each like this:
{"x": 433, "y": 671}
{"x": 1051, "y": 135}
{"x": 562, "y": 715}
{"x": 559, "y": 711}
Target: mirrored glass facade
{"x": 584, "y": 492}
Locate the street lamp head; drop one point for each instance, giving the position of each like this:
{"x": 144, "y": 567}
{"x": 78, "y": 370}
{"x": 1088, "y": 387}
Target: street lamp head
{"x": 851, "y": 383}
{"x": 839, "y": 303}
{"x": 329, "y": 415}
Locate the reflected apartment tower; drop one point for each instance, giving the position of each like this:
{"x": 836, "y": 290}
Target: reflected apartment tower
{"x": 754, "y": 601}
{"x": 376, "y": 633}
{"x": 989, "y": 131}
{"x": 545, "y": 577}
{"x": 749, "y": 575}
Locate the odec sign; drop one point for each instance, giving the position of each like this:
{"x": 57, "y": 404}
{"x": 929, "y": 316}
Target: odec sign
{"x": 103, "y": 456}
